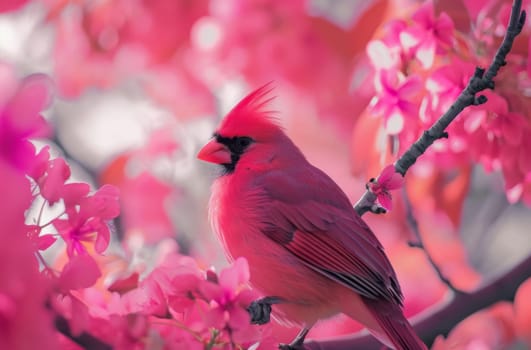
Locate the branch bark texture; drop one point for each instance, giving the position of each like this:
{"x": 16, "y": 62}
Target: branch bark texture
{"x": 440, "y": 319}
{"x": 480, "y": 81}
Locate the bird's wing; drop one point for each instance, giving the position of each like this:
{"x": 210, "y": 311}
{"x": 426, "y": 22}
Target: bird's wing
{"x": 313, "y": 219}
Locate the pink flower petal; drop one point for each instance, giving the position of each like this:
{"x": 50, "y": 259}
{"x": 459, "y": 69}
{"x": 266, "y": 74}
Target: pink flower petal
{"x": 394, "y": 123}
{"x": 52, "y": 185}
{"x": 34, "y": 95}
{"x": 385, "y": 200}
{"x": 215, "y": 318}
{"x": 394, "y": 182}
{"x": 40, "y": 163}
{"x": 445, "y": 29}
{"x": 73, "y": 193}
{"x": 380, "y": 55}
{"x": 235, "y": 275}
{"x": 239, "y": 318}
{"x": 103, "y": 237}
{"x": 211, "y": 291}
{"x": 81, "y": 271}
{"x": 386, "y": 174}
{"x": 123, "y": 285}
{"x": 424, "y": 16}
{"x": 411, "y": 86}
{"x": 474, "y": 120}
{"x": 426, "y": 53}
{"x": 103, "y": 204}
{"x": 45, "y": 241}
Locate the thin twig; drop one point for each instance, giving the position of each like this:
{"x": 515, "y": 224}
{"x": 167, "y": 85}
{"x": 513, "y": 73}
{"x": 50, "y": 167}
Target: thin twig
{"x": 481, "y": 80}
{"x": 419, "y": 243}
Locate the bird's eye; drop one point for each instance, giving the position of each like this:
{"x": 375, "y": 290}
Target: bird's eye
{"x": 241, "y": 143}
{"x": 244, "y": 142}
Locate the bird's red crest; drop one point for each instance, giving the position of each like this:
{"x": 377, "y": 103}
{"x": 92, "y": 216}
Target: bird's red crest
{"x": 250, "y": 118}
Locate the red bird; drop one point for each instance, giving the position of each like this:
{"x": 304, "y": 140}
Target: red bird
{"x": 308, "y": 250}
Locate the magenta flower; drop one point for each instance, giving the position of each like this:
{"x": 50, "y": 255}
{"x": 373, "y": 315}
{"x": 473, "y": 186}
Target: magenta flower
{"x": 395, "y": 50}
{"x": 40, "y": 242}
{"x": 229, "y": 298}
{"x": 81, "y": 271}
{"x": 172, "y": 286}
{"x": 430, "y": 35}
{"x": 388, "y": 180}
{"x": 395, "y": 99}
{"x": 20, "y": 120}
{"x": 86, "y": 222}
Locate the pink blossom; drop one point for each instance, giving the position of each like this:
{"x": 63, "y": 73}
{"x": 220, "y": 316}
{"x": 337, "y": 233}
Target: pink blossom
{"x": 51, "y": 176}
{"x": 388, "y": 180}
{"x": 20, "y": 120}
{"x": 229, "y": 300}
{"x": 25, "y": 322}
{"x": 40, "y": 163}
{"x": 113, "y": 39}
{"x": 429, "y": 35}
{"x": 394, "y": 51}
{"x": 101, "y": 315}
{"x": 162, "y": 288}
{"x": 86, "y": 222}
{"x": 81, "y": 271}
{"x": 264, "y": 40}
{"x": 40, "y": 242}
{"x": 395, "y": 99}
{"x": 443, "y": 85}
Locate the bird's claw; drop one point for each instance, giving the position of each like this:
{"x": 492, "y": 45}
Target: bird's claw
{"x": 260, "y": 310}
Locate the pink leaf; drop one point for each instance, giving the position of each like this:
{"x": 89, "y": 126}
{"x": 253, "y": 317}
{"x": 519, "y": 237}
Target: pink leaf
{"x": 103, "y": 237}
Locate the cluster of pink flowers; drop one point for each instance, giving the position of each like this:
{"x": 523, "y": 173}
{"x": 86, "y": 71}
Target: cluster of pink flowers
{"x": 59, "y": 259}
{"x": 115, "y": 40}
{"x": 423, "y": 63}
{"x": 177, "y": 304}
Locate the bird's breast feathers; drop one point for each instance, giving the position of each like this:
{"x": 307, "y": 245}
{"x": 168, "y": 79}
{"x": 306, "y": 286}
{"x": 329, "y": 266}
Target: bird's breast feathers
{"x": 235, "y": 215}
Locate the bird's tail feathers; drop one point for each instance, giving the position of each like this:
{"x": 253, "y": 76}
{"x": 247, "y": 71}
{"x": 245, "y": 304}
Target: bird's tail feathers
{"x": 397, "y": 332}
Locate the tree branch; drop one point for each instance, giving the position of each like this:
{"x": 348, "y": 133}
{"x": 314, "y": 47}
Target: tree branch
{"x": 480, "y": 81}
{"x": 419, "y": 243}
{"x": 441, "y": 318}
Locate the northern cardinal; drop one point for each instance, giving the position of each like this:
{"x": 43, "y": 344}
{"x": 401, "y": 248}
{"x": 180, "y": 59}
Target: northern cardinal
{"x": 307, "y": 248}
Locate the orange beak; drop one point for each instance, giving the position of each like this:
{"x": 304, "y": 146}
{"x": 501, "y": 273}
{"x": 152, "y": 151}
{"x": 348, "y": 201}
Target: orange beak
{"x": 214, "y": 152}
